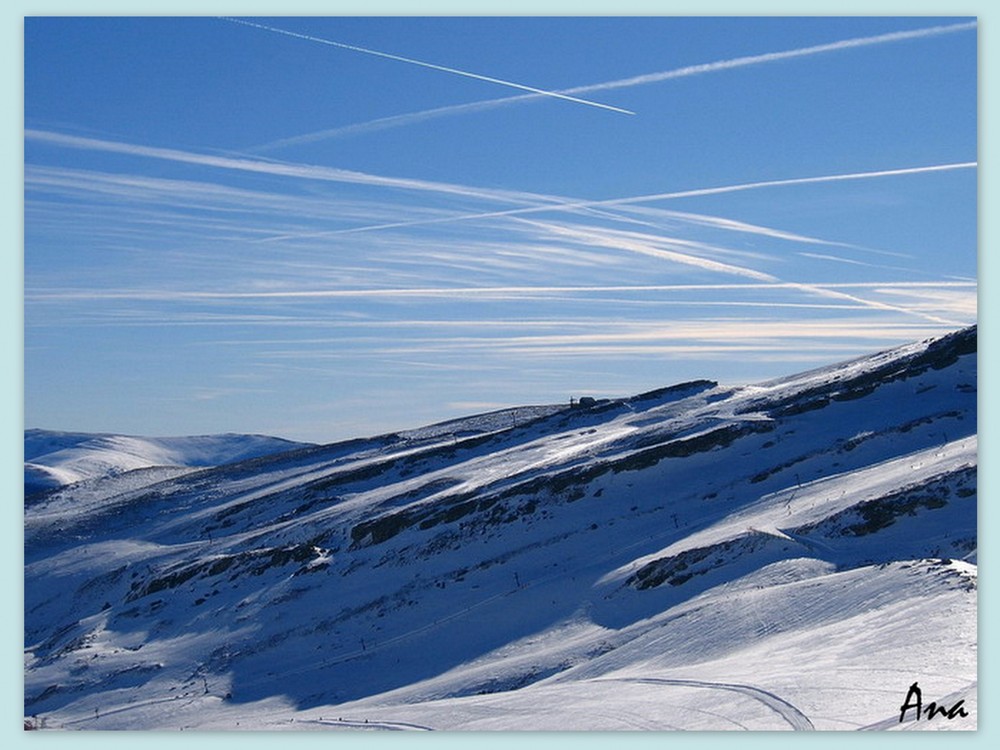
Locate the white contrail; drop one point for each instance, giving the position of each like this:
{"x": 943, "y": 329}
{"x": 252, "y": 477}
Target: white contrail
{"x": 393, "y": 121}
{"x": 578, "y": 205}
{"x": 647, "y": 78}
{"x": 542, "y": 202}
{"x": 633, "y": 242}
{"x": 333, "y": 174}
{"x": 668, "y": 249}
{"x": 61, "y": 295}
{"x": 827, "y": 291}
{"x": 327, "y": 173}
{"x": 280, "y": 168}
{"x": 778, "y": 183}
{"x": 432, "y": 66}
{"x": 739, "y": 62}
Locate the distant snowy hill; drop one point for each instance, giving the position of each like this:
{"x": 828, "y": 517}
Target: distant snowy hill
{"x": 54, "y": 459}
{"x": 791, "y": 555}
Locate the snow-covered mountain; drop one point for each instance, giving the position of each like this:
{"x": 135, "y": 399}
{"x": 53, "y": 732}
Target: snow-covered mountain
{"x": 797, "y": 554}
{"x": 55, "y": 459}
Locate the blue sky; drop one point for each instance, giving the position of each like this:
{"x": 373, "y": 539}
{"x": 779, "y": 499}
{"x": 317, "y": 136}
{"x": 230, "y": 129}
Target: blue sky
{"x": 264, "y": 226}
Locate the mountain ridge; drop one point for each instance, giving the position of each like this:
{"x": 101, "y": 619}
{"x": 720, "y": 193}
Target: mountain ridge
{"x": 55, "y": 459}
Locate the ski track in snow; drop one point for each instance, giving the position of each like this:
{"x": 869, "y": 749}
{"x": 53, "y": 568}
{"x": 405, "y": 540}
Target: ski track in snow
{"x": 798, "y": 720}
{"x": 389, "y": 726}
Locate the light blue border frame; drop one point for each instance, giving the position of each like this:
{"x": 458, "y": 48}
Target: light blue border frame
{"x": 11, "y": 340}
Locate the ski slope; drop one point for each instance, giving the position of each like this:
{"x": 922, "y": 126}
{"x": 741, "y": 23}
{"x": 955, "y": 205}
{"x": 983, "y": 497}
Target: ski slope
{"x": 699, "y": 557}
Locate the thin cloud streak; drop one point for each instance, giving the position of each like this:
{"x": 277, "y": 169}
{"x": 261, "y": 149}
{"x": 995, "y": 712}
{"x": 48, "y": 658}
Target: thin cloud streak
{"x": 853, "y": 262}
{"x": 786, "y": 182}
{"x": 161, "y": 319}
{"x": 648, "y": 198}
{"x": 644, "y": 244}
{"x": 875, "y": 305}
{"x": 236, "y": 211}
{"x": 384, "y": 123}
{"x": 950, "y": 301}
{"x": 657, "y": 246}
{"x": 432, "y": 66}
{"x": 707, "y": 336}
{"x": 879, "y": 266}
{"x": 586, "y": 234}
{"x": 279, "y": 168}
{"x": 768, "y": 57}
{"x": 645, "y": 79}
{"x": 460, "y": 292}
{"x": 733, "y": 225}
{"x": 333, "y": 174}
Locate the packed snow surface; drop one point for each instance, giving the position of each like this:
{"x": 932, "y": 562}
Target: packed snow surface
{"x": 793, "y": 555}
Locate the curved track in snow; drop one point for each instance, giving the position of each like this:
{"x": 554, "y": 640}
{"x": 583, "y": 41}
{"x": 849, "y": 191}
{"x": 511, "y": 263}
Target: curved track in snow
{"x": 798, "y": 720}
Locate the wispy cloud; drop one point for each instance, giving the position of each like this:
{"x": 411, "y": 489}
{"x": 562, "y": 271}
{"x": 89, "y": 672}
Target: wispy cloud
{"x": 540, "y": 202}
{"x": 211, "y": 208}
{"x": 432, "y": 66}
{"x": 732, "y": 225}
{"x": 385, "y": 123}
{"x": 940, "y": 299}
{"x": 569, "y": 205}
{"x": 506, "y": 259}
{"x": 701, "y": 337}
{"x": 830, "y": 293}
{"x": 674, "y": 250}
{"x": 640, "y": 80}
{"x": 854, "y": 262}
{"x": 278, "y": 168}
{"x": 66, "y": 295}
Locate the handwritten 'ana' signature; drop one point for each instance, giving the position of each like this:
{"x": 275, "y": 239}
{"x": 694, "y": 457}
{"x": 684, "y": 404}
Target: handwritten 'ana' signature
{"x": 914, "y": 701}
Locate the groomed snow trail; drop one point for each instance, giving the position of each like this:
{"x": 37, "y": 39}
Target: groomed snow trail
{"x": 798, "y": 720}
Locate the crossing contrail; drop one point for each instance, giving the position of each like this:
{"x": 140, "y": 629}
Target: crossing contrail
{"x": 432, "y": 66}
{"x": 649, "y": 198}
{"x": 646, "y": 78}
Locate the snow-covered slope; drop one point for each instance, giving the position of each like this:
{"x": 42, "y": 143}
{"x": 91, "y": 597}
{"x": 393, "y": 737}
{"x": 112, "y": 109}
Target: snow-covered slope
{"x": 790, "y": 555}
{"x": 55, "y": 459}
